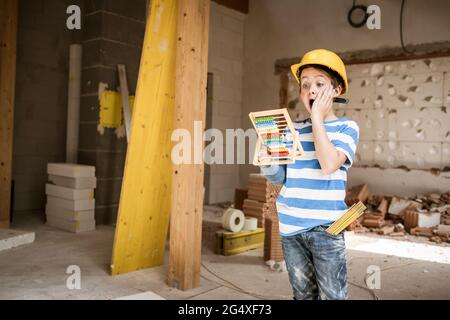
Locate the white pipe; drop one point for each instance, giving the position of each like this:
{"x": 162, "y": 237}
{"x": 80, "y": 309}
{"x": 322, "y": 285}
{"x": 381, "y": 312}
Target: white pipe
{"x": 73, "y": 103}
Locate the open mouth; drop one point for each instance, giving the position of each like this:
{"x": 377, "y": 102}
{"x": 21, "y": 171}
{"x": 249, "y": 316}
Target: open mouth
{"x": 311, "y": 101}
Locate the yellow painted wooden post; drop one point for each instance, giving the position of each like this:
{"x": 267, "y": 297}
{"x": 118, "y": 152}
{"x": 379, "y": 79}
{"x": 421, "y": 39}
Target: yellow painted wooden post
{"x": 190, "y": 106}
{"x": 8, "y": 41}
{"x": 144, "y": 207}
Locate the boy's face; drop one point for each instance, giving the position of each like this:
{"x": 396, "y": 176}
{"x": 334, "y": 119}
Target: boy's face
{"x": 312, "y": 81}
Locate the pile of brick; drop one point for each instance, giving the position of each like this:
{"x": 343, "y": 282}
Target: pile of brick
{"x": 272, "y": 241}
{"x": 423, "y": 215}
{"x": 260, "y": 204}
{"x": 261, "y": 198}
{"x": 354, "y": 195}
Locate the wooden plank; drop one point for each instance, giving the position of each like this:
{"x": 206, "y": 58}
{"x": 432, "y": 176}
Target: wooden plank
{"x": 125, "y": 99}
{"x": 190, "y": 106}
{"x": 8, "y": 45}
{"x": 144, "y": 208}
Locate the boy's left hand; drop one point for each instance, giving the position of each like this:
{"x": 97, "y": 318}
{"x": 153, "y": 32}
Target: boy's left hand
{"x": 323, "y": 103}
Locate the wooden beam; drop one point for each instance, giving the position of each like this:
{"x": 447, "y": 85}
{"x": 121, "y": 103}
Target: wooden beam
{"x": 187, "y": 179}
{"x": 420, "y": 51}
{"x": 238, "y": 5}
{"x": 8, "y": 44}
{"x": 125, "y": 98}
{"x": 144, "y": 208}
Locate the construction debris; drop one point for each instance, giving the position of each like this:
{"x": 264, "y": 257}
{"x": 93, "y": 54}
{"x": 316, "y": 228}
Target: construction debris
{"x": 261, "y": 200}
{"x": 423, "y": 215}
{"x": 356, "y": 194}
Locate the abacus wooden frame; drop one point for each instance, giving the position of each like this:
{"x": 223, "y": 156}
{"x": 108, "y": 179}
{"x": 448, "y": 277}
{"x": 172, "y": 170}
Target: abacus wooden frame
{"x": 296, "y": 142}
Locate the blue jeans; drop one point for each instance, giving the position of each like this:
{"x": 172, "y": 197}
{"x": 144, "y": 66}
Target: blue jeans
{"x": 316, "y": 265}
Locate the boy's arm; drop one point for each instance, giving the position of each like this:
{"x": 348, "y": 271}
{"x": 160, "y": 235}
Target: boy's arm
{"x": 276, "y": 174}
{"x": 329, "y": 157}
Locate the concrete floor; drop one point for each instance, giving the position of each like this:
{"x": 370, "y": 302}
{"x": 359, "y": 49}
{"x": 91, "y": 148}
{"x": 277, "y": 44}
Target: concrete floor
{"x": 38, "y": 270}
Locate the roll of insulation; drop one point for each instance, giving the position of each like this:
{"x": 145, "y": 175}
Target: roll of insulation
{"x": 233, "y": 220}
{"x": 250, "y": 224}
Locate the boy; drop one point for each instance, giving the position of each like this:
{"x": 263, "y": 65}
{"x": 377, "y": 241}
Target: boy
{"x": 313, "y": 194}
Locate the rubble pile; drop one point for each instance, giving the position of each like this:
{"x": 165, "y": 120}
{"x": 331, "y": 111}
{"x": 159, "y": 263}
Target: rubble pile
{"x": 423, "y": 215}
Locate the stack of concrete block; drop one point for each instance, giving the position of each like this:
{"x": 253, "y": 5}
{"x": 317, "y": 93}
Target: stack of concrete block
{"x": 70, "y": 197}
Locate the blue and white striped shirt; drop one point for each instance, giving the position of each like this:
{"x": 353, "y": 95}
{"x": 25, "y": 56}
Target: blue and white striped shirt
{"x": 309, "y": 197}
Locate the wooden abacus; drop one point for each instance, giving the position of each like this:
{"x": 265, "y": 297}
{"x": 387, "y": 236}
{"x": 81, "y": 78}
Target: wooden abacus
{"x": 278, "y": 142}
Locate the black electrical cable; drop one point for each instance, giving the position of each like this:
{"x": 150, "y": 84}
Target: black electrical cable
{"x": 356, "y": 8}
{"x": 401, "y": 28}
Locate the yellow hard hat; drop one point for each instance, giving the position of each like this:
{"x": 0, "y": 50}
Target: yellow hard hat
{"x": 324, "y": 58}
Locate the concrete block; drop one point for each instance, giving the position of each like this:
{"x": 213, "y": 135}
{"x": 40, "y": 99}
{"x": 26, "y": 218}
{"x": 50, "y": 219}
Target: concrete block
{"x": 122, "y": 29}
{"x": 417, "y": 155}
{"x": 28, "y": 183}
{"x": 110, "y": 164}
{"x": 70, "y": 215}
{"x": 89, "y": 108}
{"x": 382, "y": 155}
{"x": 446, "y": 155}
{"x": 68, "y": 193}
{"x": 226, "y": 122}
{"x": 14, "y": 238}
{"x": 428, "y": 220}
{"x": 227, "y": 108}
{"x": 74, "y": 205}
{"x": 361, "y": 93}
{"x": 71, "y": 226}
{"x": 92, "y": 76}
{"x": 29, "y": 165}
{"x": 92, "y": 25}
{"x": 365, "y": 153}
{"x": 219, "y": 63}
{"x": 92, "y": 139}
{"x": 70, "y": 170}
{"x": 373, "y": 123}
{"x": 134, "y": 9}
{"x": 419, "y": 124}
{"x": 113, "y": 53}
{"x": 447, "y": 89}
{"x": 30, "y": 200}
{"x": 108, "y": 191}
{"x": 412, "y": 90}
{"x": 106, "y": 215}
{"x": 232, "y": 24}
{"x": 224, "y": 195}
{"x": 74, "y": 183}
